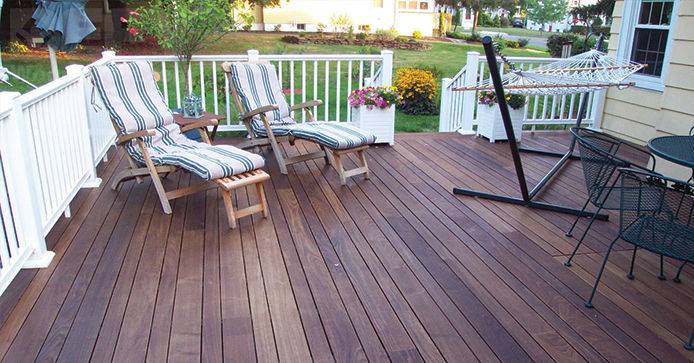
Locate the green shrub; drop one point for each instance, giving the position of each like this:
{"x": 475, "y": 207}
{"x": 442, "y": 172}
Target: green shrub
{"x": 361, "y": 36}
{"x": 555, "y": 41}
{"x": 474, "y": 38}
{"x": 495, "y": 22}
{"x": 350, "y": 32}
{"x": 302, "y": 34}
{"x": 504, "y": 22}
{"x": 500, "y": 43}
{"x": 522, "y": 42}
{"x": 455, "y": 35}
{"x": 368, "y": 50}
{"x": 277, "y": 27}
{"x": 484, "y": 19}
{"x": 419, "y": 90}
{"x": 401, "y": 39}
{"x": 417, "y": 34}
{"x": 15, "y": 47}
{"x": 385, "y": 34}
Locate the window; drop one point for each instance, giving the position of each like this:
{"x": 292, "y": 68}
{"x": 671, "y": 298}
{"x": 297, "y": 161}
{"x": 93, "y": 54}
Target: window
{"x": 300, "y": 26}
{"x": 378, "y": 3}
{"x": 414, "y": 5}
{"x": 468, "y": 14}
{"x": 648, "y": 26}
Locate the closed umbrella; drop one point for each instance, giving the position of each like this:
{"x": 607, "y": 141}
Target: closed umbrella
{"x": 63, "y": 24}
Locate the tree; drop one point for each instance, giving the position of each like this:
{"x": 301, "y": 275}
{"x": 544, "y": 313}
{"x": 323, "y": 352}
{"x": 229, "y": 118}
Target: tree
{"x": 475, "y": 5}
{"x": 546, "y": 11}
{"x": 588, "y": 14}
{"x": 183, "y": 26}
{"x": 262, "y": 4}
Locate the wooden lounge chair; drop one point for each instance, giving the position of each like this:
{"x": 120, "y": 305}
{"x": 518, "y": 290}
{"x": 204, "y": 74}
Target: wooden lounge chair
{"x": 268, "y": 119}
{"x": 155, "y": 144}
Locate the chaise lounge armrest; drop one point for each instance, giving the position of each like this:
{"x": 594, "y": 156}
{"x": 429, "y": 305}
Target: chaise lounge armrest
{"x": 125, "y": 138}
{"x": 259, "y": 111}
{"x": 199, "y": 124}
{"x": 306, "y": 104}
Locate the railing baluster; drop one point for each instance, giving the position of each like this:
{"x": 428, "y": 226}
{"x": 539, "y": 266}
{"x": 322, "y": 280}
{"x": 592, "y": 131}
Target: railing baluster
{"x": 214, "y": 90}
{"x": 178, "y": 86}
{"x": 303, "y": 89}
{"x": 164, "y": 83}
{"x": 349, "y": 88}
{"x": 337, "y": 92}
{"x": 315, "y": 86}
{"x": 291, "y": 83}
{"x": 361, "y": 73}
{"x": 327, "y": 89}
{"x": 202, "y": 85}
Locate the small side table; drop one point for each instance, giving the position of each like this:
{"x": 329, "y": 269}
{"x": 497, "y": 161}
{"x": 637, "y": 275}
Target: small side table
{"x": 678, "y": 149}
{"x": 206, "y": 116}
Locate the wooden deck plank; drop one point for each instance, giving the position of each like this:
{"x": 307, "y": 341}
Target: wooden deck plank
{"x": 80, "y": 341}
{"x": 212, "y": 345}
{"x": 442, "y": 332}
{"x": 391, "y": 268}
{"x": 186, "y": 331}
{"x": 158, "y": 345}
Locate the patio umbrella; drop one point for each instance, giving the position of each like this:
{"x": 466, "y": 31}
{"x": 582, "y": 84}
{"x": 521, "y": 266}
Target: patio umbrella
{"x": 62, "y": 24}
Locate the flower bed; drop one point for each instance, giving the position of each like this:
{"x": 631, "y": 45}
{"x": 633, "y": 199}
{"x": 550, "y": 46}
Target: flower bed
{"x": 378, "y": 43}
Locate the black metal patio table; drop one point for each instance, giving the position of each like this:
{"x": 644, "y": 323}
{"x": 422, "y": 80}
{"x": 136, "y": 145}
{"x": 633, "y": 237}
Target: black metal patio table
{"x": 679, "y": 149}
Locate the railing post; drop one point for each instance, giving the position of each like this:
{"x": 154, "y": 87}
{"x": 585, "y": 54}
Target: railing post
{"x": 387, "y": 68}
{"x": 471, "y": 69}
{"x": 598, "y": 108}
{"x": 445, "y": 123}
{"x": 86, "y": 132}
{"x": 21, "y": 184}
{"x": 108, "y": 55}
{"x": 253, "y": 55}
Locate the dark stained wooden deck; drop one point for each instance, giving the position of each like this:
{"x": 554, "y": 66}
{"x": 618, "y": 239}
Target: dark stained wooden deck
{"x": 392, "y": 268}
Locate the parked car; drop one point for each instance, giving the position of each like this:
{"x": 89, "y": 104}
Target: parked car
{"x": 517, "y": 23}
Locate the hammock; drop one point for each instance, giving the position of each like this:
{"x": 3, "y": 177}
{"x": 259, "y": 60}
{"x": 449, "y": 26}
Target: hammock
{"x": 585, "y": 72}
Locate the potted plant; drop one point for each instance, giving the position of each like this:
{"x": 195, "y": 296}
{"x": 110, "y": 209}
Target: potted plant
{"x": 489, "y": 121}
{"x": 373, "y": 109}
{"x": 185, "y": 27}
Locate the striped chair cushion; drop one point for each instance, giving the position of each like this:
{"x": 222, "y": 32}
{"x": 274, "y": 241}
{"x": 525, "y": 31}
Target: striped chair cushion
{"x": 257, "y": 85}
{"x": 133, "y": 100}
{"x": 132, "y": 96}
{"x": 336, "y": 135}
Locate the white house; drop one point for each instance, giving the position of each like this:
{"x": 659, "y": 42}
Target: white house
{"x": 405, "y": 16}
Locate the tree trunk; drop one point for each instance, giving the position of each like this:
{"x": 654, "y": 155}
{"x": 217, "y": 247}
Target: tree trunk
{"x": 474, "y": 23}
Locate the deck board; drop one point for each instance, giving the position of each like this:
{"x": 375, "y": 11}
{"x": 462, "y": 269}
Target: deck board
{"x": 392, "y": 268}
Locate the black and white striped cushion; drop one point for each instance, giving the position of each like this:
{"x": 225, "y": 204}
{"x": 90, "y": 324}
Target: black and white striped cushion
{"x": 134, "y": 101}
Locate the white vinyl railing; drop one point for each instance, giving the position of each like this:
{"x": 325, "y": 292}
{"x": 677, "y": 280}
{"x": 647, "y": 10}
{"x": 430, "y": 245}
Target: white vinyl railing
{"x": 458, "y": 107}
{"x": 329, "y": 77}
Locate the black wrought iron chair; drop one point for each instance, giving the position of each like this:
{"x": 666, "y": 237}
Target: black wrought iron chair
{"x": 656, "y": 213}
{"x": 601, "y": 156}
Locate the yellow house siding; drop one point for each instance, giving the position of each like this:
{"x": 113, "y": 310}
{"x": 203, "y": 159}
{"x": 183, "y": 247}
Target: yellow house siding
{"x": 638, "y": 114}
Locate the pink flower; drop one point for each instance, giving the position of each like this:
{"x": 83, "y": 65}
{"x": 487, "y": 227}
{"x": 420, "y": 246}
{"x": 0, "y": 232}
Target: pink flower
{"x": 134, "y": 13}
{"x": 132, "y": 31}
{"x": 123, "y": 20}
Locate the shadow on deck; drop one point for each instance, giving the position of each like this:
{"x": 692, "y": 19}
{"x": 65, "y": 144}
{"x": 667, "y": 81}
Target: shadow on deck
{"x": 395, "y": 267}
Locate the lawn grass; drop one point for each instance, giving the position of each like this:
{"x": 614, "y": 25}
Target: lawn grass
{"x": 446, "y": 58}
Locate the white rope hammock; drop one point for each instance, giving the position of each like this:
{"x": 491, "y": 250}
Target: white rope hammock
{"x": 585, "y": 72}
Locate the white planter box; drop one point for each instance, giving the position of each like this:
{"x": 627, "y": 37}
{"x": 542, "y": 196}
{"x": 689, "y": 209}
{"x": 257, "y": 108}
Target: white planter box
{"x": 379, "y": 121}
{"x": 491, "y": 126}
